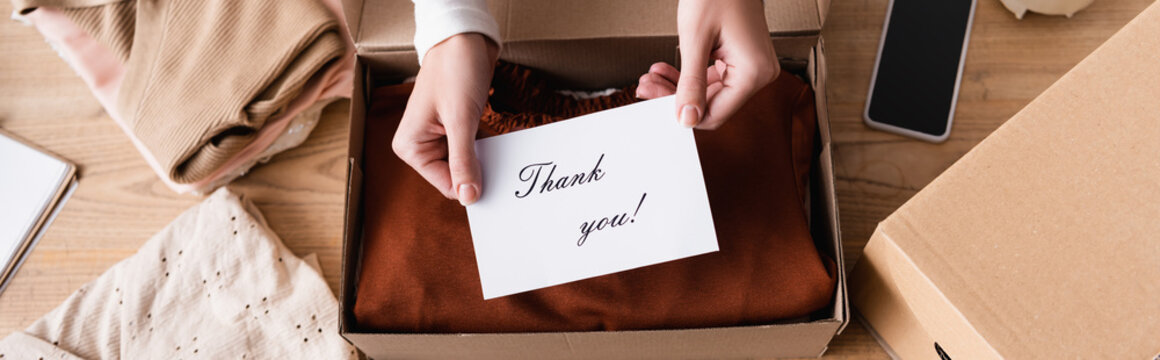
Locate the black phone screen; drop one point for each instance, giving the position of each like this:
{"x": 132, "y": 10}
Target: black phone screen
{"x": 918, "y": 66}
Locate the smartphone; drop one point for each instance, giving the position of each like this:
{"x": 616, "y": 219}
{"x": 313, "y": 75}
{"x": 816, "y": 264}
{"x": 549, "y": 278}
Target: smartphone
{"x": 920, "y": 62}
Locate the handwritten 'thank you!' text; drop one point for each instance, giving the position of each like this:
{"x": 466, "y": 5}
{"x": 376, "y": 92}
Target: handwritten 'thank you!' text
{"x": 531, "y": 174}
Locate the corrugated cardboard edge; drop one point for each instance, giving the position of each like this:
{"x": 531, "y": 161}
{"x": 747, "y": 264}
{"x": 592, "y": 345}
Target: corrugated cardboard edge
{"x": 351, "y": 220}
{"x": 816, "y": 68}
{"x": 905, "y": 309}
{"x": 874, "y": 334}
{"x": 793, "y": 340}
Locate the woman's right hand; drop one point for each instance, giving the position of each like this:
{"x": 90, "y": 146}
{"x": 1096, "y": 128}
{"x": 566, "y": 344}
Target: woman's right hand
{"x": 436, "y": 136}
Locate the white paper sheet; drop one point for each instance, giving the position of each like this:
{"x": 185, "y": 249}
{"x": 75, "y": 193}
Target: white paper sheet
{"x": 29, "y": 181}
{"x": 625, "y": 191}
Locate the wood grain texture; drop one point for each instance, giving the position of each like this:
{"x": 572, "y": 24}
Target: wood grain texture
{"x": 120, "y": 203}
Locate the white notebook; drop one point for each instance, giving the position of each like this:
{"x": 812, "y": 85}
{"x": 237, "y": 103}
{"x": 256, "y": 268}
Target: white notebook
{"x": 34, "y": 185}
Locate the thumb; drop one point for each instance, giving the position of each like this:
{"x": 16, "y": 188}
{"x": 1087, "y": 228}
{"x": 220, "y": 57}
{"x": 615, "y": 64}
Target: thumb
{"x": 462, "y": 162}
{"x": 691, "y": 86}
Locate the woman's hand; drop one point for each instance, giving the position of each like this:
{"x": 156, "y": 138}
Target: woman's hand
{"x": 436, "y": 136}
{"x": 733, "y": 34}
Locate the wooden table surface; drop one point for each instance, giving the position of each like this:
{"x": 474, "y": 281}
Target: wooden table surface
{"x": 120, "y": 203}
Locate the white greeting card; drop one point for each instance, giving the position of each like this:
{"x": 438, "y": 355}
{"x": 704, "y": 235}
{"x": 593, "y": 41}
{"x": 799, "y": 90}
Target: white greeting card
{"x": 589, "y": 196}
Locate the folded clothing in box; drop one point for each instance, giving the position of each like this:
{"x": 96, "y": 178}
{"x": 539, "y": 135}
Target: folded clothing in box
{"x": 419, "y": 272}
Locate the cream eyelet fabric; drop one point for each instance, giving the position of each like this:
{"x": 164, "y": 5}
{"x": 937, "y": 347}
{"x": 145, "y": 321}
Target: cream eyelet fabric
{"x": 216, "y": 283}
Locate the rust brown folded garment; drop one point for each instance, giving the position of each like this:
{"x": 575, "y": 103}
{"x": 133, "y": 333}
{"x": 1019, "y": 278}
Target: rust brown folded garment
{"x": 202, "y": 76}
{"x": 419, "y": 273}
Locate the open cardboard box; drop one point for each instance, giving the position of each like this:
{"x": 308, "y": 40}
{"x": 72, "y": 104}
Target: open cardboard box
{"x": 591, "y": 45}
{"x": 1043, "y": 241}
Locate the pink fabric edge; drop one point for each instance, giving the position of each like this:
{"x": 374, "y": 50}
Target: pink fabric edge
{"x": 103, "y": 73}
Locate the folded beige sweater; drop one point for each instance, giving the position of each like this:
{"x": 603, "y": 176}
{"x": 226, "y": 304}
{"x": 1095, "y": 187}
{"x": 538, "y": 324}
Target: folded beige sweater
{"x": 202, "y": 76}
{"x": 214, "y": 284}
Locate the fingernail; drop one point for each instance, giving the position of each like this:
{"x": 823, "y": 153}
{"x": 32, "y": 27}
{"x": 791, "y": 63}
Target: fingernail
{"x": 689, "y": 116}
{"x": 467, "y": 194}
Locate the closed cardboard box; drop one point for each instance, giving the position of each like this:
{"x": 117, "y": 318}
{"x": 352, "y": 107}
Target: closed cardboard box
{"x": 1042, "y": 241}
{"x": 592, "y": 45}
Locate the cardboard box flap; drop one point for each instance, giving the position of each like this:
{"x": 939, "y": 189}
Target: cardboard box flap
{"x": 352, "y": 11}
{"x": 1044, "y": 236}
{"x": 823, "y": 12}
{"x": 816, "y": 69}
{"x": 592, "y": 45}
{"x": 537, "y": 20}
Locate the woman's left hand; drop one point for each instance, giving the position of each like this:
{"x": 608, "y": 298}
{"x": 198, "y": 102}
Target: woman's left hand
{"x": 733, "y": 34}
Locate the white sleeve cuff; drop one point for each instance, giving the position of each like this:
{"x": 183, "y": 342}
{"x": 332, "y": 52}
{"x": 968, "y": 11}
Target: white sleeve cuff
{"x": 437, "y": 20}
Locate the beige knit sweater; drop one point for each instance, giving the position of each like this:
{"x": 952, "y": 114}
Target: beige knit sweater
{"x": 203, "y": 75}
{"x": 214, "y": 284}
